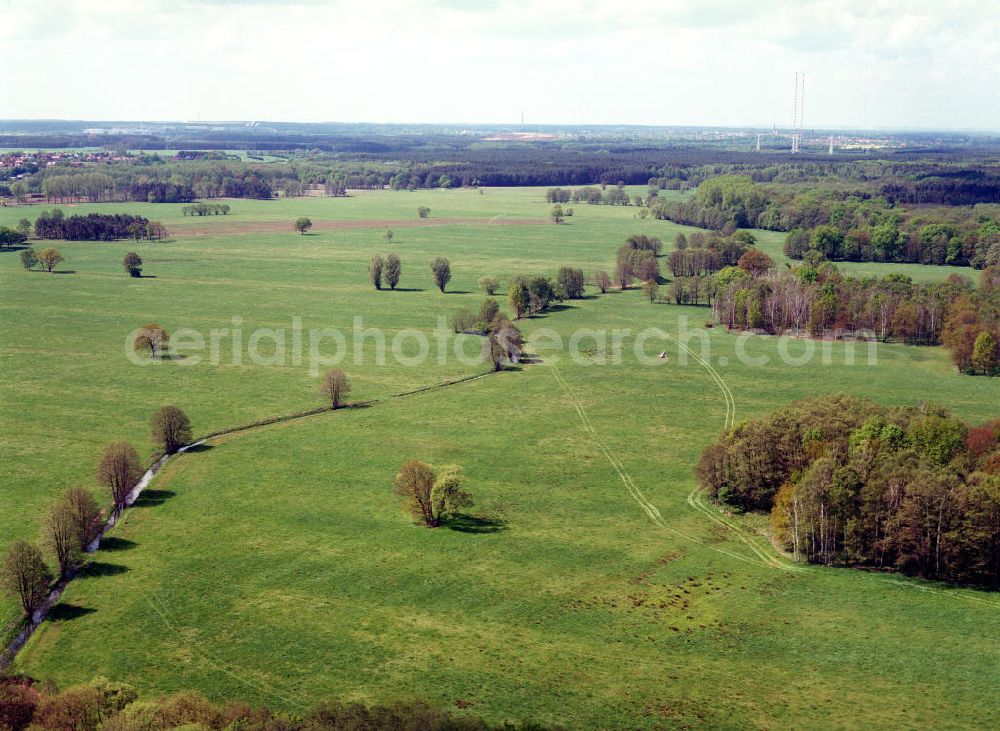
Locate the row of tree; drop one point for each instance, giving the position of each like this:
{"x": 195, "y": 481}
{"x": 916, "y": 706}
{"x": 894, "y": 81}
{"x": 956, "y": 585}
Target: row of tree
{"x": 850, "y": 482}
{"x": 74, "y": 521}
{"x": 114, "y": 706}
{"x": 816, "y": 298}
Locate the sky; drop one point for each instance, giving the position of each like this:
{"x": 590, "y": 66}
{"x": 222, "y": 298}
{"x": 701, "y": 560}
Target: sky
{"x": 876, "y": 63}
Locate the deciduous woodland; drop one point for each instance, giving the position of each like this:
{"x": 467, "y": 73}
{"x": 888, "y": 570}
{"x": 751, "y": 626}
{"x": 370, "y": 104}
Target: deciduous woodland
{"x": 849, "y": 482}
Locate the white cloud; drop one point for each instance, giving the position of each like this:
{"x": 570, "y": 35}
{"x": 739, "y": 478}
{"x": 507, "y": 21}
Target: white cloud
{"x": 932, "y": 64}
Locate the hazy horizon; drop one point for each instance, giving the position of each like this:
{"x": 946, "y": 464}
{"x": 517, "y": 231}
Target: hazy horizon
{"x": 716, "y": 63}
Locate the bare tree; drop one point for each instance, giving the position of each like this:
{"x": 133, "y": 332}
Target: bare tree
{"x": 85, "y": 514}
{"x": 24, "y": 575}
{"x": 171, "y": 429}
{"x": 60, "y": 537}
{"x": 151, "y": 337}
{"x": 603, "y": 281}
{"x": 120, "y": 471}
{"x": 335, "y": 387}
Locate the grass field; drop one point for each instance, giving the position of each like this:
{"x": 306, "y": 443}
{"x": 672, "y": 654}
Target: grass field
{"x": 277, "y": 566}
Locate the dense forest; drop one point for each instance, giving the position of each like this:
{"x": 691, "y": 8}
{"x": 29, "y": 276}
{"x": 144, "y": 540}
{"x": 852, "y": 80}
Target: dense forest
{"x": 849, "y": 482}
{"x": 857, "y": 224}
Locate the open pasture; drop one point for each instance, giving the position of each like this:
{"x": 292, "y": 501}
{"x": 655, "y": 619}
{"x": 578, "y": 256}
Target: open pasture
{"x": 562, "y": 595}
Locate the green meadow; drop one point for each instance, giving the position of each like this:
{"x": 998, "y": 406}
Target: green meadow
{"x": 590, "y": 585}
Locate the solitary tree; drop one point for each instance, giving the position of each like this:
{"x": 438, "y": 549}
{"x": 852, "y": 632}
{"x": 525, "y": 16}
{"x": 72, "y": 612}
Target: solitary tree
{"x": 489, "y": 285}
{"x": 303, "y": 224}
{"x": 50, "y": 259}
{"x": 423, "y": 211}
{"x": 29, "y": 259}
{"x": 393, "y": 270}
{"x": 603, "y": 281}
{"x": 119, "y": 470}
{"x": 557, "y": 214}
{"x": 442, "y": 272}
{"x": 651, "y": 289}
{"x": 571, "y": 281}
{"x": 133, "y": 264}
{"x": 375, "y": 271}
{"x": 335, "y": 387}
{"x": 85, "y": 514}
{"x": 431, "y": 496}
{"x": 151, "y": 337}
{"x": 24, "y": 227}
{"x": 60, "y": 537}
{"x": 171, "y": 429}
{"x": 389, "y": 235}
{"x": 25, "y": 576}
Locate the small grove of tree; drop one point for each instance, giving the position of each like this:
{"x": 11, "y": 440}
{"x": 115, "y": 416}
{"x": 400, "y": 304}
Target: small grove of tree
{"x": 557, "y": 214}
{"x": 335, "y": 387}
{"x": 302, "y": 224}
{"x": 50, "y": 259}
{"x": 119, "y": 470}
{"x": 489, "y": 285}
{"x": 25, "y": 576}
{"x": 602, "y": 281}
{"x": 393, "y": 270}
{"x": 431, "y": 495}
{"x": 151, "y": 337}
{"x": 13, "y": 236}
{"x": 423, "y": 211}
{"x": 375, "y": 271}
{"x": 133, "y": 264}
{"x": 206, "y": 209}
{"x": 170, "y": 429}
{"x": 29, "y": 259}
{"x": 441, "y": 269}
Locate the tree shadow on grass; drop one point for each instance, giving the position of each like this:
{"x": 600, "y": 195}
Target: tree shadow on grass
{"x": 97, "y": 569}
{"x": 66, "y": 612}
{"x": 198, "y": 448}
{"x": 458, "y": 291}
{"x": 474, "y": 524}
{"x": 62, "y": 271}
{"x": 114, "y": 543}
{"x": 406, "y": 289}
{"x": 152, "y": 498}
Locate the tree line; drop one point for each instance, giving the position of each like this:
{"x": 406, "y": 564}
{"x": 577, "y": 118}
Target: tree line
{"x": 115, "y": 706}
{"x": 842, "y": 225}
{"x": 849, "y": 482}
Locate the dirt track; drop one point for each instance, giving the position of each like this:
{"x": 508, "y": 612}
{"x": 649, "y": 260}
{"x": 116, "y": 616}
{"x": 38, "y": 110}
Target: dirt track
{"x": 220, "y": 226}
